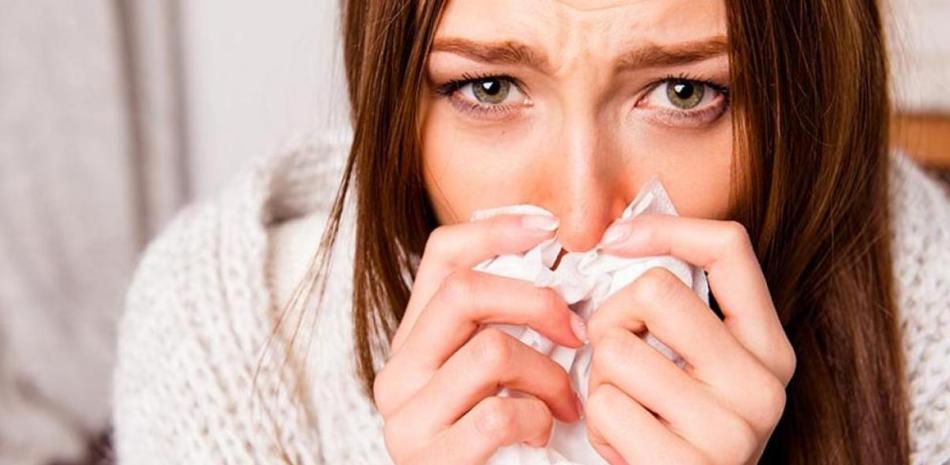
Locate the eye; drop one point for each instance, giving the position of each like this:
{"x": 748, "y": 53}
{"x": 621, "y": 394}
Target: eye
{"x": 492, "y": 98}
{"x": 685, "y": 102}
{"x": 491, "y": 91}
{"x": 681, "y": 94}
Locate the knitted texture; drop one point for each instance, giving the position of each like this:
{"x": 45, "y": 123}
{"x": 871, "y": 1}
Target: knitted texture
{"x": 202, "y": 375}
{"x": 920, "y": 232}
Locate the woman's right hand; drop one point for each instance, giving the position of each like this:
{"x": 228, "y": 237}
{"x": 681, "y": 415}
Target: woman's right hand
{"x": 437, "y": 390}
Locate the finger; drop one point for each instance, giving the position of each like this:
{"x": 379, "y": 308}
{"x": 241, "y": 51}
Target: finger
{"x": 464, "y": 245}
{"x": 618, "y": 422}
{"x": 625, "y": 361}
{"x": 467, "y": 300}
{"x": 657, "y": 300}
{"x": 493, "y": 423}
{"x": 724, "y": 250}
{"x": 674, "y": 315}
{"x": 489, "y": 360}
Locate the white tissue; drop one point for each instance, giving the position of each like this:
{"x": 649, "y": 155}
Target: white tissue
{"x": 584, "y": 280}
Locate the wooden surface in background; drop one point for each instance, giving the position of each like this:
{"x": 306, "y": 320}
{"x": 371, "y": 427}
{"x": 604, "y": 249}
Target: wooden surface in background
{"x": 926, "y": 137}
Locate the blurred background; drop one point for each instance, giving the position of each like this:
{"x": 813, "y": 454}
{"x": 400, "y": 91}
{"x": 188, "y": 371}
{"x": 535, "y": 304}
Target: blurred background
{"x": 115, "y": 113}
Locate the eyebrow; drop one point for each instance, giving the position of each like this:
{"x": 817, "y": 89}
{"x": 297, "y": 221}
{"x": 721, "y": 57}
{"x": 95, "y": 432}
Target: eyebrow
{"x": 510, "y": 52}
{"x": 506, "y": 52}
{"x": 654, "y": 56}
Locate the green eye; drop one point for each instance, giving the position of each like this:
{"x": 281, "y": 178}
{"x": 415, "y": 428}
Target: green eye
{"x": 491, "y": 90}
{"x": 685, "y": 94}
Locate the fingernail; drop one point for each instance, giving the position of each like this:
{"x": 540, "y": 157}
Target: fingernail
{"x": 579, "y": 405}
{"x": 579, "y": 327}
{"x": 540, "y": 222}
{"x": 616, "y": 233}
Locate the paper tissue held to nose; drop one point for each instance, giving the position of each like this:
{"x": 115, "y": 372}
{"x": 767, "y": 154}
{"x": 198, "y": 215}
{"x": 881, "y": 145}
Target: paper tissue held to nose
{"x": 584, "y": 280}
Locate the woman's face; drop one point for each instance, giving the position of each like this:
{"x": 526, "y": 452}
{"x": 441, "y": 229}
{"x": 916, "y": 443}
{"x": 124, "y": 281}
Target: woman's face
{"x": 573, "y": 105}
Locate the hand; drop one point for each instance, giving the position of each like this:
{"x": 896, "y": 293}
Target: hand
{"x": 642, "y": 408}
{"x": 436, "y": 391}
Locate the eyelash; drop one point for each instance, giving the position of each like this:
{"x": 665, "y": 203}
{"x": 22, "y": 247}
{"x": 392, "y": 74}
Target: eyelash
{"x": 451, "y": 88}
{"x": 708, "y": 114}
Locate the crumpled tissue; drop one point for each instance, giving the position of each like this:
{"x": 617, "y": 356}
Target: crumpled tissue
{"x": 584, "y": 280}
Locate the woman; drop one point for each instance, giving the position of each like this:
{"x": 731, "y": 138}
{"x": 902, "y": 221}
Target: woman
{"x": 766, "y": 121}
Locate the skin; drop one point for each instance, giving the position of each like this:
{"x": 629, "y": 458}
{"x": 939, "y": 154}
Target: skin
{"x": 579, "y": 138}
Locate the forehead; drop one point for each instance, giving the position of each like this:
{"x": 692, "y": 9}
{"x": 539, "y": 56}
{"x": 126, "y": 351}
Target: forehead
{"x": 569, "y": 29}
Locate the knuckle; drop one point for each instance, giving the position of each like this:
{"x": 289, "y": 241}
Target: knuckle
{"x": 747, "y": 440}
{"x": 612, "y": 318}
{"x": 742, "y": 437}
{"x": 655, "y": 285}
{"x": 788, "y": 363}
{"x": 380, "y": 385}
{"x": 597, "y": 325}
{"x": 772, "y": 404}
{"x": 494, "y": 418}
{"x": 735, "y": 236}
{"x": 598, "y": 403}
{"x": 459, "y": 286}
{"x": 436, "y": 240}
{"x": 649, "y": 226}
{"x": 490, "y": 349}
{"x": 611, "y": 351}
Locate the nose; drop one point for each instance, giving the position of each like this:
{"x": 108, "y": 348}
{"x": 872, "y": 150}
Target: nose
{"x": 592, "y": 186}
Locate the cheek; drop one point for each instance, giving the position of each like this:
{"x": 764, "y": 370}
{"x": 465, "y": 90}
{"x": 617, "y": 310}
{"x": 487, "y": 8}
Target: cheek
{"x": 695, "y": 165}
{"x": 468, "y": 167}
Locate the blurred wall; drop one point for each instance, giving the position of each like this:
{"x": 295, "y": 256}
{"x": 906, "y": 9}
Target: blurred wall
{"x": 258, "y": 74}
{"x": 91, "y": 152}
{"x": 68, "y": 230}
{"x": 919, "y": 38}
{"x": 113, "y": 114}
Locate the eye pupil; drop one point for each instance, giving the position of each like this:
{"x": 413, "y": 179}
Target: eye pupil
{"x": 685, "y": 94}
{"x": 491, "y": 90}
{"x": 491, "y": 87}
{"x": 684, "y": 90}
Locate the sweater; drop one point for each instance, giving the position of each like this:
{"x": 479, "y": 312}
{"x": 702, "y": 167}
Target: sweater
{"x": 214, "y": 367}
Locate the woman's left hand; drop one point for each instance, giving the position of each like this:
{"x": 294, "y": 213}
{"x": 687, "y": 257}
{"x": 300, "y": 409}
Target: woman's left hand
{"x": 721, "y": 409}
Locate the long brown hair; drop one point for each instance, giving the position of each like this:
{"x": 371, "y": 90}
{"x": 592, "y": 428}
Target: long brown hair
{"x": 811, "y": 108}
